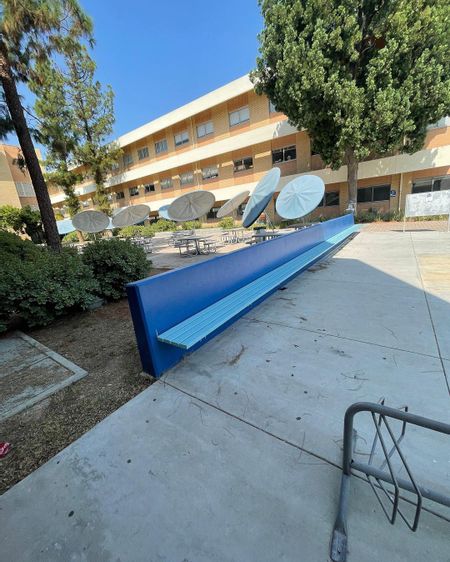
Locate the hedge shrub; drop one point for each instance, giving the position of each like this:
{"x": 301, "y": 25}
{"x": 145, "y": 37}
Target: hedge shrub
{"x": 192, "y": 225}
{"x": 114, "y": 263}
{"x": 226, "y": 222}
{"x": 39, "y": 285}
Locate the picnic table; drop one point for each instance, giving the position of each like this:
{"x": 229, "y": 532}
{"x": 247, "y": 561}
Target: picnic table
{"x": 261, "y": 236}
{"x": 197, "y": 240}
{"x": 233, "y": 235}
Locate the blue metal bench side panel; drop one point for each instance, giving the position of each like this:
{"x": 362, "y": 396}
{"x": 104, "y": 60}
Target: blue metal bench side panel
{"x": 160, "y": 302}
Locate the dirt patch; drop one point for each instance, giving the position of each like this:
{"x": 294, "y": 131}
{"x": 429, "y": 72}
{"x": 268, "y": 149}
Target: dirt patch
{"x": 103, "y": 343}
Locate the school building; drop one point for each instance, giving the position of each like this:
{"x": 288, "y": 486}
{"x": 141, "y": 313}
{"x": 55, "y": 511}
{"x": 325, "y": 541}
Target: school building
{"x": 16, "y": 188}
{"x": 228, "y": 139}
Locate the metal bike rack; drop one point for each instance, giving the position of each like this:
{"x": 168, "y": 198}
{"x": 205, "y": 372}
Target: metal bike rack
{"x": 380, "y": 413}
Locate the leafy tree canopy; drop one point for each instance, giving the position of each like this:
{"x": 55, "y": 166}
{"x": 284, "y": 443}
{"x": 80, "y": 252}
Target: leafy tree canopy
{"x": 22, "y": 221}
{"x": 364, "y": 77}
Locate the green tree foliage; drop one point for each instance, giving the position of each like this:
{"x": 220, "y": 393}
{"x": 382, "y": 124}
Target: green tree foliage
{"x": 364, "y": 77}
{"x": 30, "y": 31}
{"x": 22, "y": 221}
{"x": 56, "y": 131}
{"x": 92, "y": 111}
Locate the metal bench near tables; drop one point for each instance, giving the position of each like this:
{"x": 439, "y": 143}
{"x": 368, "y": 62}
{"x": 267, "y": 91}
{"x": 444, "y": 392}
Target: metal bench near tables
{"x": 176, "y": 312}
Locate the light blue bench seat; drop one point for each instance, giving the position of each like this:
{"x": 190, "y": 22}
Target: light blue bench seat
{"x": 198, "y": 327}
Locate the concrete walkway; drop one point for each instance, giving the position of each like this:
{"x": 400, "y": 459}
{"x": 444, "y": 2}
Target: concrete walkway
{"x": 234, "y": 455}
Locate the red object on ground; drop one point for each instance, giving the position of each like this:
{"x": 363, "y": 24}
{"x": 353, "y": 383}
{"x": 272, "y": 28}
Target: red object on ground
{"x": 4, "y": 448}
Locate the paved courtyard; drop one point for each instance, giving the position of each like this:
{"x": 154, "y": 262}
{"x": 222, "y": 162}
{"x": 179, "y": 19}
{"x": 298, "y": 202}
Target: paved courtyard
{"x": 234, "y": 454}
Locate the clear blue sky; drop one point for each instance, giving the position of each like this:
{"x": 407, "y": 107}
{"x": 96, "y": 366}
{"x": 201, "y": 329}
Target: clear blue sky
{"x": 160, "y": 55}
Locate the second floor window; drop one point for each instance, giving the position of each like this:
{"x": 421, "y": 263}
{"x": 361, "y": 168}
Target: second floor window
{"x": 181, "y": 138}
{"x": 243, "y": 164}
{"x": 377, "y": 193}
{"x": 205, "y": 129}
{"x": 133, "y": 191}
{"x": 210, "y": 172}
{"x": 241, "y": 115}
{"x": 272, "y": 108}
{"x": 166, "y": 183}
{"x": 143, "y": 153}
{"x": 187, "y": 178}
{"x": 161, "y": 146}
{"x": 127, "y": 159}
{"x": 284, "y": 154}
{"x": 120, "y": 195}
{"x": 148, "y": 187}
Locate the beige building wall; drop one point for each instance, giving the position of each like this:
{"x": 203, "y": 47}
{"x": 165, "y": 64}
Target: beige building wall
{"x": 267, "y": 131}
{"x": 15, "y": 183}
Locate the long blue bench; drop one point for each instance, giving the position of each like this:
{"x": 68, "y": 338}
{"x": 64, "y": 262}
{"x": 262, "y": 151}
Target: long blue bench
{"x": 176, "y": 312}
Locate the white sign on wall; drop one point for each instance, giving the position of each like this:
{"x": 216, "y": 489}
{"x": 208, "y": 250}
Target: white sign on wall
{"x": 428, "y": 204}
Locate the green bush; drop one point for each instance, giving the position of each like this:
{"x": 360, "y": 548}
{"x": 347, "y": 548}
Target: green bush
{"x": 70, "y": 238}
{"x": 163, "y": 225}
{"x": 130, "y": 231}
{"x": 12, "y": 244}
{"x": 114, "y": 263}
{"x": 226, "y": 222}
{"x": 39, "y": 285}
{"x": 191, "y": 225}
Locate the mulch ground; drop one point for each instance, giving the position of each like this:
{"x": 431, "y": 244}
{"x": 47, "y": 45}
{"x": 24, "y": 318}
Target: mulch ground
{"x": 103, "y": 343}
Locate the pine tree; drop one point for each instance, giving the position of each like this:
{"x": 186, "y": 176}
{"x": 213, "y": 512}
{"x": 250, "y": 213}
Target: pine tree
{"x": 363, "y": 77}
{"x": 93, "y": 119}
{"x": 30, "y": 30}
{"x": 56, "y": 133}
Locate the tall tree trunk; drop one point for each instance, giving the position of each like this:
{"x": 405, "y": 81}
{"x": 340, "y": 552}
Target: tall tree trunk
{"x": 29, "y": 153}
{"x": 352, "y": 180}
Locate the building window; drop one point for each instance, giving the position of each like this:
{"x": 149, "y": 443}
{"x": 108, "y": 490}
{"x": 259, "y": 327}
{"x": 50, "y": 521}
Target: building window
{"x": 272, "y": 108}
{"x": 210, "y": 172}
{"x": 187, "y": 178}
{"x": 120, "y": 195}
{"x": 115, "y": 166}
{"x": 127, "y": 159}
{"x": 212, "y": 214}
{"x": 143, "y": 153}
{"x": 371, "y": 194}
{"x": 149, "y": 187}
{"x": 133, "y": 191}
{"x": 181, "y": 138}
{"x": 284, "y": 154}
{"x": 166, "y": 183}
{"x": 243, "y": 164}
{"x": 332, "y": 198}
{"x": 239, "y": 116}
{"x": 205, "y": 129}
{"x": 161, "y": 146}
{"x": 431, "y": 184}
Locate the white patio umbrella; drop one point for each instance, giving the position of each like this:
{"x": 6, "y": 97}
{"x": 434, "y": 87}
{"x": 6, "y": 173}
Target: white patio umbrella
{"x": 300, "y": 196}
{"x": 65, "y": 226}
{"x": 232, "y": 204}
{"x": 90, "y": 221}
{"x": 128, "y": 216}
{"x": 261, "y": 196}
{"x": 191, "y": 206}
{"x": 162, "y": 212}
